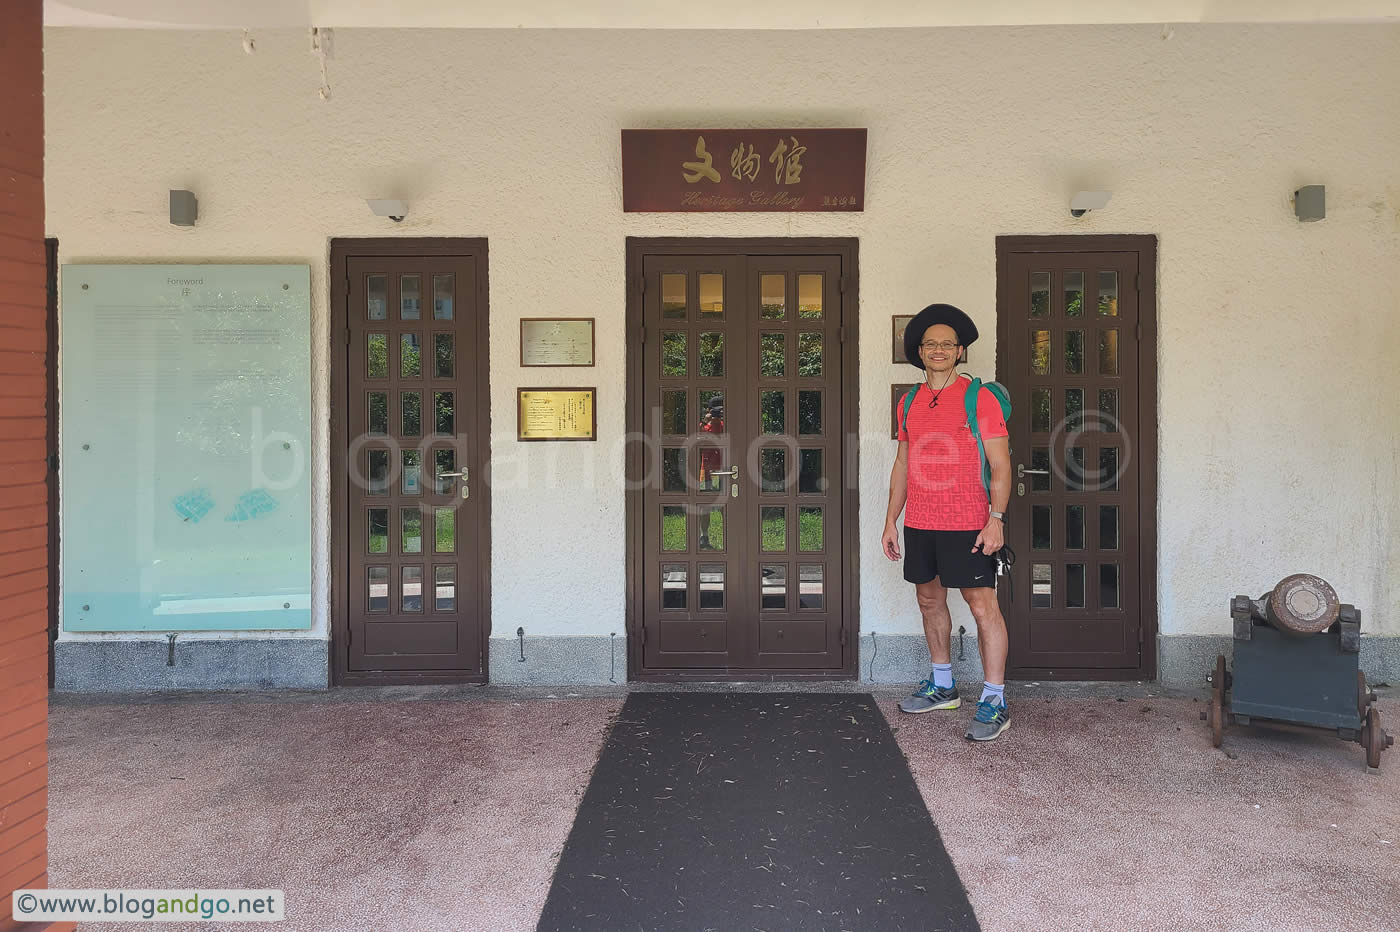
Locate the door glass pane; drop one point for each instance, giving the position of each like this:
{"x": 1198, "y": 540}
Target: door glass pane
{"x": 1040, "y": 461}
{"x": 1040, "y": 585}
{"x": 711, "y": 355}
{"x": 809, "y": 412}
{"x": 712, "y": 403}
{"x": 673, "y": 585}
{"x": 1074, "y": 585}
{"x": 445, "y": 412}
{"x": 446, "y": 461}
{"x": 1074, "y": 294}
{"x": 1074, "y": 408}
{"x": 811, "y": 531}
{"x": 673, "y": 353}
{"x": 1108, "y": 527}
{"x": 673, "y": 469}
{"x": 673, "y": 529}
{"x": 412, "y": 472}
{"x": 378, "y": 412}
{"x": 377, "y": 297}
{"x": 673, "y": 420}
{"x": 773, "y": 289}
{"x": 1108, "y": 352}
{"x": 711, "y": 296}
{"x": 1108, "y": 585}
{"x": 377, "y": 363}
{"x": 1040, "y": 410}
{"x": 1074, "y": 352}
{"x": 711, "y": 521}
{"x": 411, "y": 362}
{"x": 810, "y": 586}
{"x": 772, "y": 355}
{"x": 1040, "y": 527}
{"x": 772, "y": 405}
{"x": 443, "y": 288}
{"x": 445, "y": 530}
{"x": 809, "y": 355}
{"x": 1074, "y": 527}
{"x": 411, "y": 408}
{"x": 379, "y": 530}
{"x": 1108, "y": 409}
{"x": 442, "y": 356}
{"x": 412, "y": 520}
{"x": 811, "y": 478}
{"x": 1074, "y": 469}
{"x": 673, "y": 296}
{"x": 772, "y": 469}
{"x": 809, "y": 296}
{"x": 413, "y": 588}
{"x": 378, "y": 474}
{"x": 1108, "y": 469}
{"x": 711, "y": 582}
{"x": 774, "y": 534}
{"x": 379, "y": 588}
{"x": 1040, "y": 294}
{"x": 445, "y": 586}
{"x": 1108, "y": 293}
{"x": 773, "y": 585}
{"x": 410, "y": 297}
{"x": 1040, "y": 352}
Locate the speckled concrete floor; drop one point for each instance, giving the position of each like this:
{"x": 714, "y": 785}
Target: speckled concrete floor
{"x": 444, "y": 808}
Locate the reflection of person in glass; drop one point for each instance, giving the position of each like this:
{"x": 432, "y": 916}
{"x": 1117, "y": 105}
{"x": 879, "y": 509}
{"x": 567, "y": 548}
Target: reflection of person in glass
{"x": 712, "y": 422}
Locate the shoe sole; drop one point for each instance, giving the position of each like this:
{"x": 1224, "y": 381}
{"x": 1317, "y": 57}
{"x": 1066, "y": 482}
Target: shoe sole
{"x": 951, "y": 704}
{"x": 1004, "y": 725}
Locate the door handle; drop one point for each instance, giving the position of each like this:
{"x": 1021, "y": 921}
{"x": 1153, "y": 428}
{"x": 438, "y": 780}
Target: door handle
{"x": 1022, "y": 472}
{"x": 732, "y": 473}
{"x": 463, "y": 475}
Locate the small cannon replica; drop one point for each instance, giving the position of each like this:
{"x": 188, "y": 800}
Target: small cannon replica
{"x": 1297, "y": 655}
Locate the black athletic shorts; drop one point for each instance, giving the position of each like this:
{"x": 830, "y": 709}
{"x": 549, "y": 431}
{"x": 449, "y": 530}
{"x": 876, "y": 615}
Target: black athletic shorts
{"x": 947, "y": 555}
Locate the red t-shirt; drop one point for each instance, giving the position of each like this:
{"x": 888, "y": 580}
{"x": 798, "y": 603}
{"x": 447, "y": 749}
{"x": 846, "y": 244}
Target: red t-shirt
{"x": 945, "y": 472}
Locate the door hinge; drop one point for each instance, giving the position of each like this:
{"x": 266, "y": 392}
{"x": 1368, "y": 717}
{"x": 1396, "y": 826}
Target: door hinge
{"x": 1137, "y": 282}
{"x": 347, "y": 336}
{"x": 842, "y": 281}
{"x": 642, "y": 285}
{"x": 349, "y": 635}
{"x": 642, "y": 334}
{"x": 843, "y": 635}
{"x": 841, "y": 334}
{"x": 643, "y": 632}
{"x": 1139, "y": 331}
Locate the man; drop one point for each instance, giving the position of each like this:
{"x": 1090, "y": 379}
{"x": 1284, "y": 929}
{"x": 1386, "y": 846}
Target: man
{"x": 950, "y": 532}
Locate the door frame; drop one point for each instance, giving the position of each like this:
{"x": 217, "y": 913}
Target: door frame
{"x": 51, "y": 439}
{"x": 1145, "y": 245}
{"x": 847, "y": 248}
{"x": 342, "y": 250}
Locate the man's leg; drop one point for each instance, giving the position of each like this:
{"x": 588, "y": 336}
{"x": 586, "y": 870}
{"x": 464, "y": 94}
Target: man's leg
{"x": 992, "y": 644}
{"x": 937, "y": 692}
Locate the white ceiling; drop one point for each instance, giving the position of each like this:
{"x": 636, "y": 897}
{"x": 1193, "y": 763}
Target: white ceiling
{"x": 697, "y": 14}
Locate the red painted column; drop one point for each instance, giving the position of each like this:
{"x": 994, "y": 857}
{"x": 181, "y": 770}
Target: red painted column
{"x": 24, "y": 554}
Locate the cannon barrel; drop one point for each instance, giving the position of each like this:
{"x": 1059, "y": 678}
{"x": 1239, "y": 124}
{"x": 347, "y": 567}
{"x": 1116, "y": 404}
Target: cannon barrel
{"x": 1300, "y": 604}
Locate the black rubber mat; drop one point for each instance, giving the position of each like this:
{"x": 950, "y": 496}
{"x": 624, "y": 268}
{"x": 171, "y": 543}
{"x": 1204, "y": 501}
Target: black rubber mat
{"x": 743, "y": 811}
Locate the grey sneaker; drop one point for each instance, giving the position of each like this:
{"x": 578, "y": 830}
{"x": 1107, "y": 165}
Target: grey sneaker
{"x": 928, "y": 698}
{"x": 991, "y": 720}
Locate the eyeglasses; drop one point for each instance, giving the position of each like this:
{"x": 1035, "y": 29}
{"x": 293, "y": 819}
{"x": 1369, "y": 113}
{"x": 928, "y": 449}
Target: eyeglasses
{"x": 945, "y": 345}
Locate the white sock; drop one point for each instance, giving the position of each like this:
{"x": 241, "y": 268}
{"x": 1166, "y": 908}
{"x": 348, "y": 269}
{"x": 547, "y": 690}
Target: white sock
{"x": 943, "y": 675}
{"x": 995, "y": 694}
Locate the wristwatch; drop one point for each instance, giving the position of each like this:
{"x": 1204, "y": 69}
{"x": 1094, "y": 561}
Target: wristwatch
{"x": 1000, "y": 516}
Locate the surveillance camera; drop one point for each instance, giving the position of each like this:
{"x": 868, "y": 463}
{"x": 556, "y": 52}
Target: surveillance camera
{"x": 395, "y": 210}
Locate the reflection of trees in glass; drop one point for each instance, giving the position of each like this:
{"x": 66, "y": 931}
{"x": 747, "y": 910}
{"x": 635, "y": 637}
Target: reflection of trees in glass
{"x": 444, "y": 413}
{"x": 1040, "y": 299}
{"x": 412, "y": 356}
{"x": 446, "y": 524}
{"x": 442, "y": 355}
{"x": 711, "y": 354}
{"x": 774, "y": 531}
{"x": 1040, "y": 352}
{"x": 673, "y": 529}
{"x": 378, "y": 356}
{"x": 772, "y": 469}
{"x": 1040, "y": 410}
{"x": 773, "y": 406}
{"x": 379, "y": 412}
{"x": 1074, "y": 304}
{"x": 773, "y": 310}
{"x": 809, "y": 354}
{"x": 809, "y": 529}
{"x": 772, "y": 363}
{"x": 673, "y": 353}
{"x": 673, "y": 470}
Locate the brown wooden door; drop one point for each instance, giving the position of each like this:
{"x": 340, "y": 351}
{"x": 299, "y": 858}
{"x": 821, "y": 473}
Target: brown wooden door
{"x": 1071, "y": 345}
{"x": 415, "y": 527}
{"x": 742, "y": 504}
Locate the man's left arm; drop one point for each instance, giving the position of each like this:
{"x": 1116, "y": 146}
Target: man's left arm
{"x": 998, "y": 449}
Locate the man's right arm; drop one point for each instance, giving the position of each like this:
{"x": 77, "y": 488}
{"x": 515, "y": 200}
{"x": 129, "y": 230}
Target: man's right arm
{"x": 899, "y": 491}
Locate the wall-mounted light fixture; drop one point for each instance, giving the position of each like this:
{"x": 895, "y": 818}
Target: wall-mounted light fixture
{"x": 1310, "y": 202}
{"x": 1085, "y": 201}
{"x": 184, "y": 208}
{"x": 386, "y": 207}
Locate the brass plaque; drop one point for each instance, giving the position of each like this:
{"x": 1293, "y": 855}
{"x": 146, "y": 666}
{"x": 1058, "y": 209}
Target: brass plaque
{"x": 559, "y": 341}
{"x": 556, "y": 414}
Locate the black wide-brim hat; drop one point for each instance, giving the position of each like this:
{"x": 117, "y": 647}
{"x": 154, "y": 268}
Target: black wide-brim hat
{"x": 937, "y": 314}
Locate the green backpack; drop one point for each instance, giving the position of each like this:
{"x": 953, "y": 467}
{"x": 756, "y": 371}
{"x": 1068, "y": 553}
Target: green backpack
{"x": 1003, "y": 398}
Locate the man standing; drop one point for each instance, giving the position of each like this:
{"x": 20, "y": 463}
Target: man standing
{"x": 951, "y": 531}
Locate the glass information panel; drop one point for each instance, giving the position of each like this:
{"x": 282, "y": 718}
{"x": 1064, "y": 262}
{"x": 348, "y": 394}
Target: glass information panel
{"x": 185, "y": 427}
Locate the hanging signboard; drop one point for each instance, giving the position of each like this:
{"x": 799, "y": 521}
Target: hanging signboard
{"x": 731, "y": 170}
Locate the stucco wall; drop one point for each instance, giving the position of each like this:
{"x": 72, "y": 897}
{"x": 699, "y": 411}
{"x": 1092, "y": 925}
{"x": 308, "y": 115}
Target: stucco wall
{"x": 1279, "y": 391}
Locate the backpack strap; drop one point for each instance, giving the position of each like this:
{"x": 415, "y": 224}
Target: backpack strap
{"x": 974, "y": 392}
{"x": 908, "y": 403}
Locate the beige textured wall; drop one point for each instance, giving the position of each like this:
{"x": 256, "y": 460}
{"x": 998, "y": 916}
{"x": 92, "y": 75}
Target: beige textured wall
{"x": 1279, "y": 389}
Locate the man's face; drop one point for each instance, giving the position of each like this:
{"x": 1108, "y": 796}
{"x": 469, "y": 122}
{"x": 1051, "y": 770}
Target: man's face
{"x": 938, "y": 350}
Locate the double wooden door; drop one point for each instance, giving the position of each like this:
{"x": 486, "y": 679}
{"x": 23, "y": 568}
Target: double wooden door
{"x": 739, "y": 486}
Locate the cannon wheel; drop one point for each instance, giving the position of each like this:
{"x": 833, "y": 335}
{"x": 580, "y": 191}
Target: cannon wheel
{"x": 1362, "y": 698}
{"x": 1373, "y": 739}
{"x": 1217, "y": 703}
